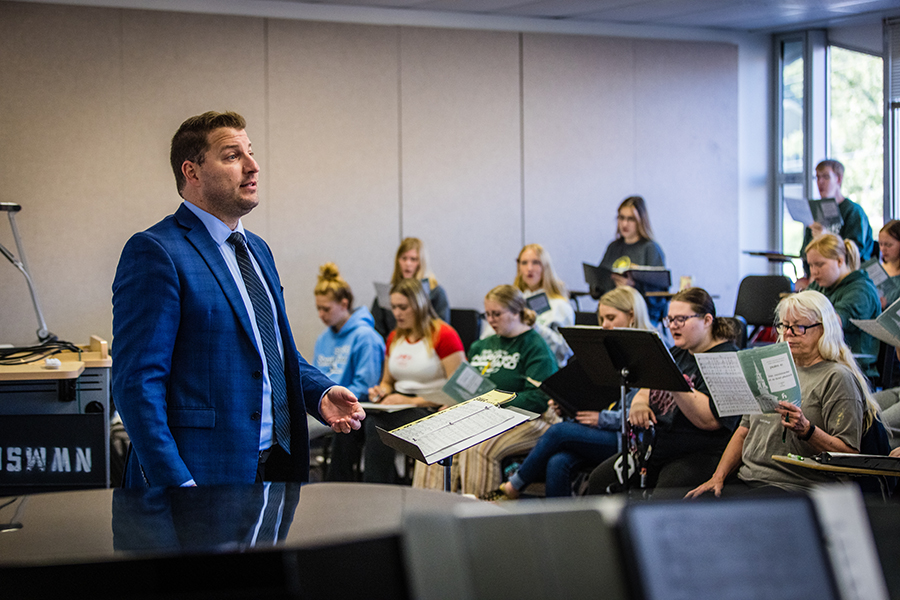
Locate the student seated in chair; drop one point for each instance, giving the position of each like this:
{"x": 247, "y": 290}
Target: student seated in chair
{"x": 351, "y": 353}
{"x": 515, "y": 353}
{"x": 690, "y": 434}
{"x": 422, "y": 353}
{"x": 592, "y": 436}
{"x": 834, "y": 264}
{"x": 411, "y": 263}
{"x": 534, "y": 276}
{"x": 835, "y": 407}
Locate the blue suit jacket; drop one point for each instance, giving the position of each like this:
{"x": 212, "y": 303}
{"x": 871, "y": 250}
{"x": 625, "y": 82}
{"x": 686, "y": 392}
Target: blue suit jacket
{"x": 186, "y": 375}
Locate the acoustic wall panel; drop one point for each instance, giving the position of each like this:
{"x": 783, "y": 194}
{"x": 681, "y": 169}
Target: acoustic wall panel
{"x": 60, "y": 107}
{"x": 686, "y": 152}
{"x": 334, "y": 175}
{"x": 461, "y": 166}
{"x": 606, "y": 118}
{"x": 578, "y": 145}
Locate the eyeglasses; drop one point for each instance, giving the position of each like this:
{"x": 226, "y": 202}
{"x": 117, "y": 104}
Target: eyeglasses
{"x": 794, "y": 329}
{"x": 628, "y": 219}
{"x": 494, "y": 315}
{"x": 679, "y": 320}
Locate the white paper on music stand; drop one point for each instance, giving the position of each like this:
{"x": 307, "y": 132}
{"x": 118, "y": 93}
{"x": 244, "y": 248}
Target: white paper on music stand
{"x": 450, "y": 431}
{"x": 849, "y": 542}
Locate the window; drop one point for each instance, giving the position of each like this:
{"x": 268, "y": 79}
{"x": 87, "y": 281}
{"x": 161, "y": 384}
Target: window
{"x": 830, "y": 105}
{"x": 892, "y": 97}
{"x": 792, "y": 121}
{"x": 856, "y": 128}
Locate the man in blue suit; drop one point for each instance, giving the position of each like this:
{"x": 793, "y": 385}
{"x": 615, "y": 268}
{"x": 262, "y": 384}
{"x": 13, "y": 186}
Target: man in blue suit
{"x": 197, "y": 359}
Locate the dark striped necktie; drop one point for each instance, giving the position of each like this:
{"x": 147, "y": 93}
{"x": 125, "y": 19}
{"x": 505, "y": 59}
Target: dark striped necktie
{"x": 265, "y": 323}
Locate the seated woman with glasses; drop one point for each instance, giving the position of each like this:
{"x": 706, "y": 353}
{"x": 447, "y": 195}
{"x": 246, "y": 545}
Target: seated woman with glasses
{"x": 833, "y": 266}
{"x": 509, "y": 358}
{"x": 690, "y": 434}
{"x": 634, "y": 245}
{"x": 592, "y": 436}
{"x": 835, "y": 408}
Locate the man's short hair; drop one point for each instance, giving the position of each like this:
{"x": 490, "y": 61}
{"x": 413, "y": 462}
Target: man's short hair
{"x": 191, "y": 141}
{"x": 834, "y": 165}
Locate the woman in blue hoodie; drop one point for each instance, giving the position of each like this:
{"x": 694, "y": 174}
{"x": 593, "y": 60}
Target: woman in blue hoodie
{"x": 351, "y": 353}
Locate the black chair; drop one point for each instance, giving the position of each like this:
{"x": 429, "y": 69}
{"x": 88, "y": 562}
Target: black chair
{"x": 467, "y": 323}
{"x": 585, "y": 318}
{"x": 875, "y": 441}
{"x": 888, "y": 367}
{"x": 741, "y": 325}
{"x": 757, "y": 298}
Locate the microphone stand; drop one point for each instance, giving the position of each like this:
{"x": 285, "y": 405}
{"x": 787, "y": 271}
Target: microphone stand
{"x": 21, "y": 264}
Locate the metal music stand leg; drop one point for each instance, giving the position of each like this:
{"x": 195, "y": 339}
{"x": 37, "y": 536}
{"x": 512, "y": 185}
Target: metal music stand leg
{"x": 447, "y": 463}
{"x": 622, "y": 388}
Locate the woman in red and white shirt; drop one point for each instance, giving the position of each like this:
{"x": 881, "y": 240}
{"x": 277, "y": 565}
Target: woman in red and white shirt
{"x": 422, "y": 353}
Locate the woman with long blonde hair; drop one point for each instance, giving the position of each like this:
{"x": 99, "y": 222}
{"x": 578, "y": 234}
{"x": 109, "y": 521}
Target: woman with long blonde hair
{"x": 836, "y": 406}
{"x": 411, "y": 262}
{"x": 535, "y": 276}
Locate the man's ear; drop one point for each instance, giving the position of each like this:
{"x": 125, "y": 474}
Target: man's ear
{"x": 189, "y": 170}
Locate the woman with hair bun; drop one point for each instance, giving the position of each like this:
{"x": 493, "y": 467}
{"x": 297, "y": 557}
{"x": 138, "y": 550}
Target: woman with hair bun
{"x": 509, "y": 358}
{"x": 350, "y": 352}
{"x": 690, "y": 434}
{"x": 834, "y": 269}
{"x": 835, "y": 408}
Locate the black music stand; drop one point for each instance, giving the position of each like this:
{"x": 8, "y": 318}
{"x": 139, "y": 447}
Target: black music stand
{"x": 633, "y": 357}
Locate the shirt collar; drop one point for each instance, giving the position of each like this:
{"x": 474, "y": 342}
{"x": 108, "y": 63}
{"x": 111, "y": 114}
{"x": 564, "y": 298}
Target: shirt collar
{"x": 218, "y": 230}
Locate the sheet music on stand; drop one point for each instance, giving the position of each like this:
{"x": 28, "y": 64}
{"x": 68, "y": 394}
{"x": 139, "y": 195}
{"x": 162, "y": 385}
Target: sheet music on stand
{"x": 599, "y": 278}
{"x": 849, "y": 542}
{"x": 447, "y": 432}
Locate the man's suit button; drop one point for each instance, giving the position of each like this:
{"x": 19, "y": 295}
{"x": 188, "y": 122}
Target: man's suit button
{"x": 255, "y": 416}
{"x": 257, "y": 374}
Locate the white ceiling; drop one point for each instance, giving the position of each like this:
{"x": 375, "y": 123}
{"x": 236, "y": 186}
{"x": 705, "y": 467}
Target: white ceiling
{"x": 734, "y": 15}
{"x": 753, "y": 16}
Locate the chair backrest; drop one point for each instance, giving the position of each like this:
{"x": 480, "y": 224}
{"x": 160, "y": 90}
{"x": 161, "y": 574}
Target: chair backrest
{"x": 887, "y": 366}
{"x": 875, "y": 440}
{"x": 585, "y": 318}
{"x": 741, "y": 324}
{"x": 759, "y": 295}
{"x": 467, "y": 323}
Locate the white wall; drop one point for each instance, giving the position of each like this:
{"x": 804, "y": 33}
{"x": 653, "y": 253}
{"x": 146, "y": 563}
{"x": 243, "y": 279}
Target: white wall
{"x": 477, "y": 141}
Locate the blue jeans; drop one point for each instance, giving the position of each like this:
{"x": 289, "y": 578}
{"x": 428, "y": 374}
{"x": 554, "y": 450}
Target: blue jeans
{"x": 563, "y": 448}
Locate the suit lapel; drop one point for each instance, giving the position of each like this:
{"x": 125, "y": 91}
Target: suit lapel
{"x": 200, "y": 239}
